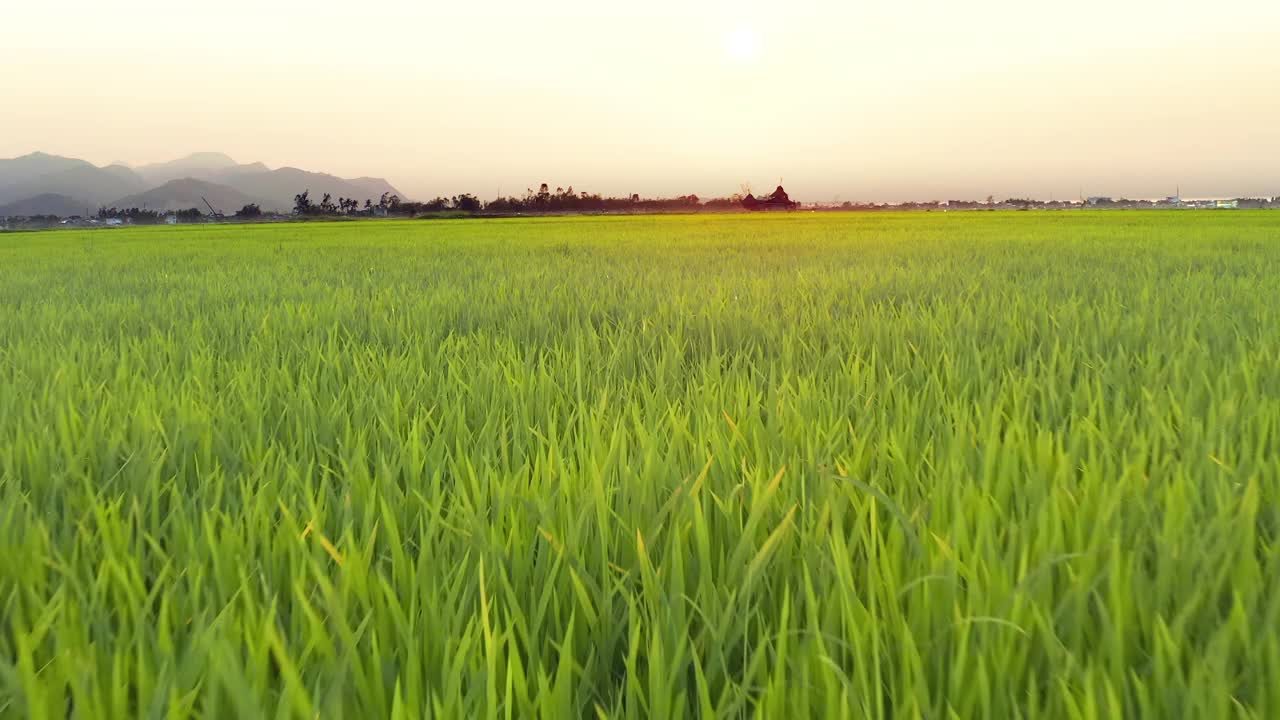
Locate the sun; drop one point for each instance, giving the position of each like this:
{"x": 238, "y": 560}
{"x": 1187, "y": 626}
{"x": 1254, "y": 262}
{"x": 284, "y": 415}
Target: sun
{"x": 742, "y": 44}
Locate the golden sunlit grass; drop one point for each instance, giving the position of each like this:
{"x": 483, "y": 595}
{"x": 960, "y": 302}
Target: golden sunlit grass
{"x": 964, "y": 465}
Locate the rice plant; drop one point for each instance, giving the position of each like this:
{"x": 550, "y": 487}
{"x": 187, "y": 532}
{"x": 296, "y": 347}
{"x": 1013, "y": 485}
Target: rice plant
{"x": 865, "y": 466}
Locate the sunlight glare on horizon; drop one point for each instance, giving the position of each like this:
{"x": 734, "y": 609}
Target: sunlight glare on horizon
{"x": 742, "y": 44}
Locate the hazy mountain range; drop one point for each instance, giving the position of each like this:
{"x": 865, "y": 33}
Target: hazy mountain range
{"x": 39, "y": 184}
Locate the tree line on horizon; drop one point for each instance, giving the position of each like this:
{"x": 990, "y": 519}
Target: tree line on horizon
{"x": 543, "y": 200}
{"x": 566, "y": 199}
{"x": 143, "y": 216}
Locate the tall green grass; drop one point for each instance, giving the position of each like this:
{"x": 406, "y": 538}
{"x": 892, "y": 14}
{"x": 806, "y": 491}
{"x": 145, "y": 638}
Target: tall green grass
{"x": 981, "y": 465}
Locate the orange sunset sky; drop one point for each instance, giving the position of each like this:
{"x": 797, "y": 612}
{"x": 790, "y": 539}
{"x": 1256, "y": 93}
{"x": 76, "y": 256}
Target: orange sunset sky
{"x": 864, "y": 100}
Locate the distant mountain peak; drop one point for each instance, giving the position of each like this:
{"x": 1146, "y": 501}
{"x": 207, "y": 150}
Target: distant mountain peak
{"x": 208, "y": 158}
{"x": 228, "y": 183}
{"x": 44, "y": 157}
{"x": 46, "y": 204}
{"x": 200, "y": 160}
{"x": 40, "y": 173}
{"x": 185, "y": 193}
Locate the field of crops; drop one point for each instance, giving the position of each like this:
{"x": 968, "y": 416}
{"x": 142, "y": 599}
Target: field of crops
{"x": 952, "y": 465}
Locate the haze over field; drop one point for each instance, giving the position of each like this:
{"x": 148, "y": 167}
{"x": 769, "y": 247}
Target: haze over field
{"x": 38, "y": 183}
{"x": 870, "y": 100}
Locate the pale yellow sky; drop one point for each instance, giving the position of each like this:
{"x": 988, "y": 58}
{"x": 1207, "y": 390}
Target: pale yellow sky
{"x": 861, "y": 100}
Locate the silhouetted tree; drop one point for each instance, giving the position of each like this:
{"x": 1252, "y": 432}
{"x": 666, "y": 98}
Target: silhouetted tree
{"x": 466, "y": 202}
{"x": 302, "y": 204}
{"x": 567, "y": 199}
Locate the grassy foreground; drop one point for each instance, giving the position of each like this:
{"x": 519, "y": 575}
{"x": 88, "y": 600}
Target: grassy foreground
{"x": 976, "y": 465}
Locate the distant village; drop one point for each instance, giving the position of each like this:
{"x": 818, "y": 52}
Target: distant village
{"x": 563, "y": 201}
{"x": 1089, "y": 203}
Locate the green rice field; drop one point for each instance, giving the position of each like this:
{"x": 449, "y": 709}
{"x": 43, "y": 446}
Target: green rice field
{"x": 965, "y": 465}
